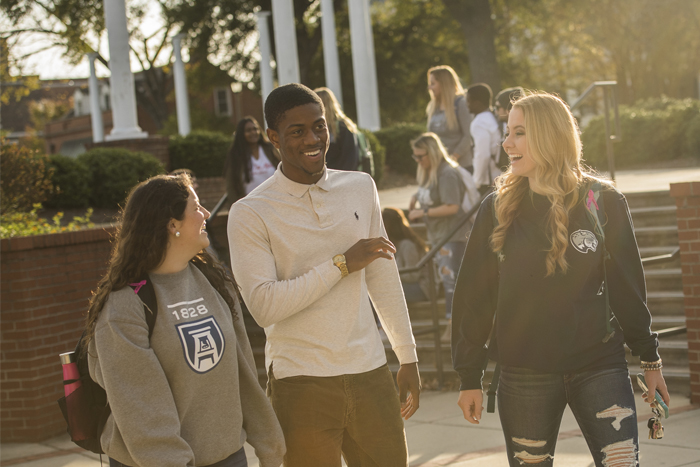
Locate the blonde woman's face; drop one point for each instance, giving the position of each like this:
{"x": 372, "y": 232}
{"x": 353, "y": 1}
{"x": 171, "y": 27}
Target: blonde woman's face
{"x": 421, "y": 156}
{"x": 516, "y": 145}
{"x": 434, "y": 86}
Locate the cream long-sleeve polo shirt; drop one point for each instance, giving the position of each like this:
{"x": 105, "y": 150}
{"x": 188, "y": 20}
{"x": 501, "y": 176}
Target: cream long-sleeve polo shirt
{"x": 282, "y": 238}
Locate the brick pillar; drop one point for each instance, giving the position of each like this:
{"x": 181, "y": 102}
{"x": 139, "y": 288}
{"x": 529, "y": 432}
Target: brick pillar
{"x": 687, "y": 197}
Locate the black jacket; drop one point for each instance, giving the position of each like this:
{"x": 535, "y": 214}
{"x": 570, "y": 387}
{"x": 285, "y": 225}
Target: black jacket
{"x": 343, "y": 152}
{"x": 551, "y": 324}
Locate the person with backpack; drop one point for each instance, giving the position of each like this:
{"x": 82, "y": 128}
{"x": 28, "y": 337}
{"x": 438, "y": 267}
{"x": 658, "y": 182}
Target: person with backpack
{"x": 440, "y": 195}
{"x": 503, "y": 103}
{"x": 448, "y": 116}
{"x": 552, "y": 287}
{"x": 185, "y": 390}
{"x": 344, "y": 147}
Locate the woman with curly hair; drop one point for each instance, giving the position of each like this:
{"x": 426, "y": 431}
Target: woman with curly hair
{"x": 448, "y": 115}
{"x": 187, "y": 393}
{"x": 539, "y": 261}
{"x": 251, "y": 160}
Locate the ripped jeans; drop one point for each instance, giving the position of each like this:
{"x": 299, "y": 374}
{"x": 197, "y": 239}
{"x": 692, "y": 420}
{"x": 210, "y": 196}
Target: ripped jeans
{"x": 531, "y": 405}
{"x": 448, "y": 260}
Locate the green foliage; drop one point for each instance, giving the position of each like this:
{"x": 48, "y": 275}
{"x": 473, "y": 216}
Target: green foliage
{"x": 25, "y": 178}
{"x": 203, "y": 152}
{"x": 114, "y": 171}
{"x": 25, "y": 224}
{"x": 397, "y": 141}
{"x": 378, "y": 154}
{"x": 653, "y": 130}
{"x": 71, "y": 179}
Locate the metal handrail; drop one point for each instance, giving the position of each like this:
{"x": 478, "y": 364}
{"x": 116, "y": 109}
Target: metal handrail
{"x": 426, "y": 262}
{"x": 218, "y": 206}
{"x": 653, "y": 260}
{"x": 609, "y": 98}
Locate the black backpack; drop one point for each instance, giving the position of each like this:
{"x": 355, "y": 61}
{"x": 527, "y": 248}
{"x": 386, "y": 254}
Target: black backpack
{"x": 86, "y": 409}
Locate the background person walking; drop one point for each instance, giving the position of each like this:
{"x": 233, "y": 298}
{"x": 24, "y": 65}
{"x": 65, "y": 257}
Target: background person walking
{"x": 343, "y": 150}
{"x": 448, "y": 116}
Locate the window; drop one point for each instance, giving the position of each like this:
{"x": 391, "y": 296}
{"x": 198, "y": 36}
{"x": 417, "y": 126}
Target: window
{"x": 222, "y": 101}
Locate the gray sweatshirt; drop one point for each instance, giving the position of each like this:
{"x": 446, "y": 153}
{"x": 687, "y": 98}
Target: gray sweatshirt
{"x": 191, "y": 395}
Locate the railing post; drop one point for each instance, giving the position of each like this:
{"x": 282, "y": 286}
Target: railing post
{"x": 608, "y": 133}
{"x": 436, "y": 324}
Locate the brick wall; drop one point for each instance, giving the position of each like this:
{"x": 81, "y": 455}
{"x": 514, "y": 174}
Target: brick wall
{"x": 45, "y": 285}
{"x": 210, "y": 191}
{"x": 687, "y": 197}
{"x": 154, "y": 144}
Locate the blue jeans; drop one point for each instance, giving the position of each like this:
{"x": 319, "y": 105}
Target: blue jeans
{"x": 237, "y": 459}
{"x": 448, "y": 260}
{"x": 531, "y": 406}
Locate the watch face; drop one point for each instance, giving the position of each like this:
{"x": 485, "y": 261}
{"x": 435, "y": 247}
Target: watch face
{"x": 338, "y": 259}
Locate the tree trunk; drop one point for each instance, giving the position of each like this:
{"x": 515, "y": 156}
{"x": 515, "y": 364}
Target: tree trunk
{"x": 474, "y": 16}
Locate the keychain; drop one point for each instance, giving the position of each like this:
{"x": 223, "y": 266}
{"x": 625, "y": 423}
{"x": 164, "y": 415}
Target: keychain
{"x": 656, "y": 429}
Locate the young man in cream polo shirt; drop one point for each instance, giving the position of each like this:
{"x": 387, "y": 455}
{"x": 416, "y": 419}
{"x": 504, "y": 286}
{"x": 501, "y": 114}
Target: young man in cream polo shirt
{"x": 308, "y": 249}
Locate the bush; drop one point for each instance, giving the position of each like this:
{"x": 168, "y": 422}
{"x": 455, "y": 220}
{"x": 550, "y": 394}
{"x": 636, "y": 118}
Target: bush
{"x": 114, "y": 171}
{"x": 25, "y": 224}
{"x": 25, "y": 178}
{"x": 378, "y": 154}
{"x": 652, "y": 130}
{"x": 397, "y": 141}
{"x": 71, "y": 180}
{"x": 203, "y": 152}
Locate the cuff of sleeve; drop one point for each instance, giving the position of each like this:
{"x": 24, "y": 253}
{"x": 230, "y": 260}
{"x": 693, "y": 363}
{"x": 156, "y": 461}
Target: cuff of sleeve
{"x": 650, "y": 355}
{"x": 470, "y": 380}
{"x": 330, "y": 273}
{"x": 406, "y": 354}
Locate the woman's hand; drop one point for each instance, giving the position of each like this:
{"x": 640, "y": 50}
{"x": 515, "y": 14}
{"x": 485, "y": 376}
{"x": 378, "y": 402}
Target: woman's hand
{"x": 655, "y": 382}
{"x": 470, "y": 401}
{"x": 415, "y": 214}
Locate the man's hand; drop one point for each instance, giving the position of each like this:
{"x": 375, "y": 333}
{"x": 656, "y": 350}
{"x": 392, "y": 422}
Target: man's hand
{"x": 470, "y": 401}
{"x": 408, "y": 380}
{"x": 362, "y": 253}
{"x": 655, "y": 382}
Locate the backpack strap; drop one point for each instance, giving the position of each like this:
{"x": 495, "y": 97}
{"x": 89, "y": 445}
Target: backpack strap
{"x": 144, "y": 289}
{"x": 593, "y": 200}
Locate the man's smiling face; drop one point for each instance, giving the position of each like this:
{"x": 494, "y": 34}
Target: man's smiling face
{"x": 302, "y": 140}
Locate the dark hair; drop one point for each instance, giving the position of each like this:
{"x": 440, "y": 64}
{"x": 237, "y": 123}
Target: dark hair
{"x": 285, "y": 98}
{"x": 397, "y": 228}
{"x": 506, "y": 97}
{"x": 141, "y": 241}
{"x": 237, "y": 168}
{"x": 481, "y": 92}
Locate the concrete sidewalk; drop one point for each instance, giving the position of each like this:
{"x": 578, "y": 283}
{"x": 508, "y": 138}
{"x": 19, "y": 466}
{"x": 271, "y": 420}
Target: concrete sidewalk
{"x": 438, "y": 435}
{"x": 627, "y": 181}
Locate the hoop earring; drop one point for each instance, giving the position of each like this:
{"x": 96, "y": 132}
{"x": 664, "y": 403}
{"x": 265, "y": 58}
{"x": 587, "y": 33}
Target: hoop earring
{"x": 177, "y": 234}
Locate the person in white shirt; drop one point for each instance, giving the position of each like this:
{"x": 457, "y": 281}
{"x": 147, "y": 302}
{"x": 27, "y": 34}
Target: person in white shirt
{"x": 250, "y": 161}
{"x": 309, "y": 251}
{"x": 485, "y": 134}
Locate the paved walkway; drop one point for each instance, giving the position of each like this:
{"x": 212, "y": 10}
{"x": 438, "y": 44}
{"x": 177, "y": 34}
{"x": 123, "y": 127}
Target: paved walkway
{"x": 439, "y": 436}
{"x": 627, "y": 181}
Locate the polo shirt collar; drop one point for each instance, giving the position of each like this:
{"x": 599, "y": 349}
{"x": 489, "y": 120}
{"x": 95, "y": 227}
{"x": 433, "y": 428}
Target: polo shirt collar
{"x": 300, "y": 189}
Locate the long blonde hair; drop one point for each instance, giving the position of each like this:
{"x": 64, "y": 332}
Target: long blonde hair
{"x": 450, "y": 88}
{"x": 334, "y": 113}
{"x": 430, "y": 142}
{"x": 554, "y": 143}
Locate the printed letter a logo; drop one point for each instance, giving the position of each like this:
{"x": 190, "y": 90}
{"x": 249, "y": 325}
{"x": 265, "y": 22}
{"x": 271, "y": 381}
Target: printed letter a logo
{"x": 202, "y": 342}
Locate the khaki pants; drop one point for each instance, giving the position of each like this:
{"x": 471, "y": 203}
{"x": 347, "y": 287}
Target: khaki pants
{"x": 358, "y": 415}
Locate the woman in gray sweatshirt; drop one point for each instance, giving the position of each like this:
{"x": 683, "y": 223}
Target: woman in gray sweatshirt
{"x": 188, "y": 395}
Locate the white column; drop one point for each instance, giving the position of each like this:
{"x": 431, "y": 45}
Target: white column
{"x": 266, "y": 76}
{"x": 98, "y": 130}
{"x": 285, "y": 42}
{"x": 121, "y": 82}
{"x": 330, "y": 50}
{"x": 363, "y": 64}
{"x": 182, "y": 102}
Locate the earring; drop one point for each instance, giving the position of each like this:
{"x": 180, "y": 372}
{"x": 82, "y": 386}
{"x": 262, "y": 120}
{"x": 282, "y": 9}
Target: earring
{"x": 177, "y": 234}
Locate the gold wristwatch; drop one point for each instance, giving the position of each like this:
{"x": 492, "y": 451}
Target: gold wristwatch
{"x": 339, "y": 261}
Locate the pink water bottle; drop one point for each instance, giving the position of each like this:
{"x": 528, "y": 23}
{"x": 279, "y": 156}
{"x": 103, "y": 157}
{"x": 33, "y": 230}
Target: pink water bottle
{"x": 70, "y": 371}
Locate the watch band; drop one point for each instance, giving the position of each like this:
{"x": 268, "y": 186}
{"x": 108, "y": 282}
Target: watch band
{"x": 339, "y": 262}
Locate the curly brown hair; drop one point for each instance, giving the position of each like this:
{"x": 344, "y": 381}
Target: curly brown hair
{"x": 141, "y": 241}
